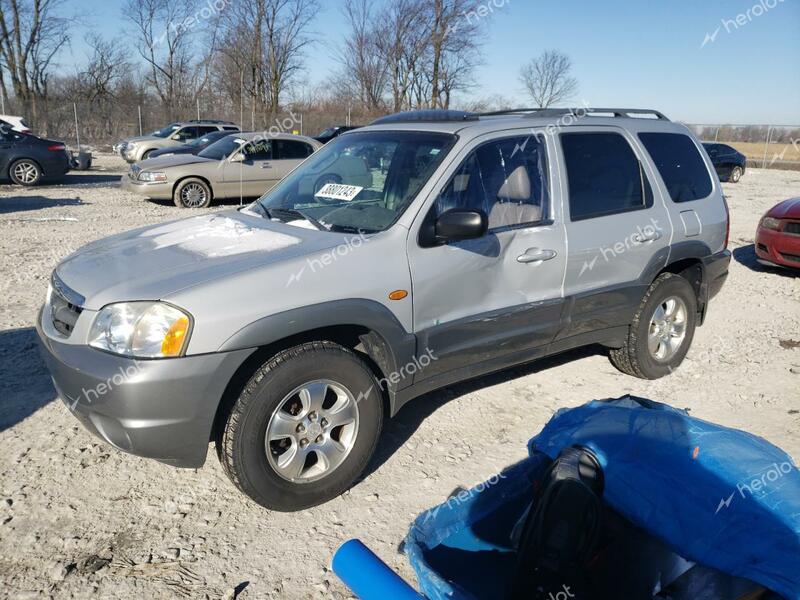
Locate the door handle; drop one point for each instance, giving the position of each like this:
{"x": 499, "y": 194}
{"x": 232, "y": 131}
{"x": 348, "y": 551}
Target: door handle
{"x": 646, "y": 238}
{"x": 266, "y": 165}
{"x": 536, "y": 255}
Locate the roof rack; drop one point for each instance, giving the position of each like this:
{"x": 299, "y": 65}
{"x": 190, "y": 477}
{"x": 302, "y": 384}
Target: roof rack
{"x": 215, "y": 121}
{"x": 430, "y": 115}
{"x": 577, "y": 112}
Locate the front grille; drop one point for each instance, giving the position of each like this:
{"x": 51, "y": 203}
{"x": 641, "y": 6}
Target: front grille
{"x": 791, "y": 257}
{"x": 792, "y": 227}
{"x": 65, "y": 307}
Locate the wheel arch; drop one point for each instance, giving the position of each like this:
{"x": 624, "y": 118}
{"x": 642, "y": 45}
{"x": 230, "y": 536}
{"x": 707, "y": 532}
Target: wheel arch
{"x": 364, "y": 326}
{"x": 17, "y": 159}
{"x": 201, "y": 178}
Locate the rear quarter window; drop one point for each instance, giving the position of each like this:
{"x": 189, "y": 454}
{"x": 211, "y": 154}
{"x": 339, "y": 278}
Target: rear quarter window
{"x": 680, "y": 164}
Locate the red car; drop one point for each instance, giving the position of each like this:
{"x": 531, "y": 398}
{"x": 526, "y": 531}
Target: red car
{"x": 778, "y": 235}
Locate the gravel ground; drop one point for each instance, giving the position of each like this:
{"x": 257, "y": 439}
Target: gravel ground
{"x": 78, "y": 518}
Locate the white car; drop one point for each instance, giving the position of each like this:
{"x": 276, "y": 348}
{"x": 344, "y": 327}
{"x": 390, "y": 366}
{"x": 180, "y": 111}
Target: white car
{"x": 15, "y": 123}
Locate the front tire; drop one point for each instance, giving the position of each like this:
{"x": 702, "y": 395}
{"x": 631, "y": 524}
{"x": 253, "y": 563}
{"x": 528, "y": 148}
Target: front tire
{"x": 736, "y": 174}
{"x": 192, "y": 193}
{"x": 25, "y": 172}
{"x": 662, "y": 329}
{"x": 303, "y": 428}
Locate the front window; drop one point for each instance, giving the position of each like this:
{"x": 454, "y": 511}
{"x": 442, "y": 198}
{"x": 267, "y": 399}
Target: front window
{"x": 361, "y": 182}
{"x": 505, "y": 179}
{"x": 167, "y": 131}
{"x": 223, "y": 148}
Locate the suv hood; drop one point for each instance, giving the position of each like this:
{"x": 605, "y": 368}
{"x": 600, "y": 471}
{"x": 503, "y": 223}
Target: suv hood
{"x": 153, "y": 262}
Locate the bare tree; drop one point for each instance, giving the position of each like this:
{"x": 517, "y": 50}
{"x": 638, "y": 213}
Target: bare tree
{"x": 547, "y": 78}
{"x": 456, "y": 27}
{"x": 363, "y": 64}
{"x": 166, "y": 29}
{"x": 31, "y": 35}
{"x": 264, "y": 42}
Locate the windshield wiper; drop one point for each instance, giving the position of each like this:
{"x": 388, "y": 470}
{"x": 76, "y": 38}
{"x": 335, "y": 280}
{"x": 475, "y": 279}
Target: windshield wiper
{"x": 351, "y": 229}
{"x": 291, "y": 212}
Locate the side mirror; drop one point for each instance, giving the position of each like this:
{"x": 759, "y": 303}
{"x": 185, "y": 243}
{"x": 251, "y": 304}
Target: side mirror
{"x": 177, "y": 137}
{"x": 457, "y": 224}
{"x": 237, "y": 157}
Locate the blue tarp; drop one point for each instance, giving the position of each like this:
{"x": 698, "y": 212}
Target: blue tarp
{"x": 720, "y": 497}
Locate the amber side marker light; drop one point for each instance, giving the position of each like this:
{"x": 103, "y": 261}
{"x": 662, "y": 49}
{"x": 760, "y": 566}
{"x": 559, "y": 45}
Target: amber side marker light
{"x": 398, "y": 295}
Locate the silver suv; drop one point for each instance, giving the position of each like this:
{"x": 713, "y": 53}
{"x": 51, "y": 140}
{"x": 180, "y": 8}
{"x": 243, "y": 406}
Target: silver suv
{"x": 175, "y": 134}
{"x": 285, "y": 332}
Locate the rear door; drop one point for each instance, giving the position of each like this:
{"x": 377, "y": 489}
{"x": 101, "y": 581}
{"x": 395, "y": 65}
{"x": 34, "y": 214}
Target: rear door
{"x": 491, "y": 301}
{"x": 618, "y": 227}
{"x": 694, "y": 197}
{"x": 287, "y": 154}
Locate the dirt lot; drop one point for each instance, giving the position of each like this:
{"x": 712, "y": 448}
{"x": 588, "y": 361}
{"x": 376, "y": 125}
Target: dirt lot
{"x": 79, "y": 519}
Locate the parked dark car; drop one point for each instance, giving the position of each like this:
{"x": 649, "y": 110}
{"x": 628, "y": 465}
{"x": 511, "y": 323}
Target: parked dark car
{"x": 332, "y": 132}
{"x": 26, "y": 159}
{"x": 194, "y": 147}
{"x": 729, "y": 162}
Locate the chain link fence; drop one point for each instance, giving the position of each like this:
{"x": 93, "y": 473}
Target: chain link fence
{"x": 765, "y": 146}
{"x": 99, "y": 124}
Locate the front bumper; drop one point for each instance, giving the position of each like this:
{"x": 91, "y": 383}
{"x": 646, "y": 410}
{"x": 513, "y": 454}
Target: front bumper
{"x": 778, "y": 248}
{"x": 160, "y": 409}
{"x": 158, "y": 191}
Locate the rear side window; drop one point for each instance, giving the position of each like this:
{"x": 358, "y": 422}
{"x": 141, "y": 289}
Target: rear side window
{"x": 682, "y": 168}
{"x": 605, "y": 176}
{"x": 290, "y": 149}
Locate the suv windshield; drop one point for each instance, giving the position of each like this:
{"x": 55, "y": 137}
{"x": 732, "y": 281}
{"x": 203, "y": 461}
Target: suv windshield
{"x": 167, "y": 131}
{"x": 361, "y": 182}
{"x": 223, "y": 148}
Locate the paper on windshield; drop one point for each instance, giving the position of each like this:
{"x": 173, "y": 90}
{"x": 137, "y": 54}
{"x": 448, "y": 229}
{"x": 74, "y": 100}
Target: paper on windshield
{"x": 339, "y": 191}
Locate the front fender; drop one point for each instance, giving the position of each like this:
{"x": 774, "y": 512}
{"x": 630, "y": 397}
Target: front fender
{"x": 390, "y": 345}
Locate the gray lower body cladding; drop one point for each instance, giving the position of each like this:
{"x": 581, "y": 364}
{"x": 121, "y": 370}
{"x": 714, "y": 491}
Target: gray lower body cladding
{"x": 160, "y": 409}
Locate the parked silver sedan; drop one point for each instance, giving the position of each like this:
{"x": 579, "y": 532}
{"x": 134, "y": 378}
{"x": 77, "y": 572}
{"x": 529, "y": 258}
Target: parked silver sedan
{"x": 241, "y": 165}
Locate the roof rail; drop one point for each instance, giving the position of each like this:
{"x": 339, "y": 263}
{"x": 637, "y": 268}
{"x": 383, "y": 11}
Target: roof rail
{"x": 430, "y": 115}
{"x": 589, "y": 112}
{"x": 216, "y": 121}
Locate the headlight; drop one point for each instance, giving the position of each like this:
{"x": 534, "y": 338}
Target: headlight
{"x": 771, "y": 223}
{"x": 152, "y": 176}
{"x": 128, "y": 145}
{"x": 141, "y": 330}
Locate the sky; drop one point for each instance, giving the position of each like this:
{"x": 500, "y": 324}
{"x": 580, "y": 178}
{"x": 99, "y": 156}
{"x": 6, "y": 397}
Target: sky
{"x": 703, "y": 62}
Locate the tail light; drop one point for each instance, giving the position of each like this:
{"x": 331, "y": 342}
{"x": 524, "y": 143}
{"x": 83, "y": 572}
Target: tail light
{"x": 727, "y": 221}
{"x": 57, "y": 148}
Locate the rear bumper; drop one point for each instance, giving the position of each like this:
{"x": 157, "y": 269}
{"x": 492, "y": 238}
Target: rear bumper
{"x": 715, "y": 268}
{"x": 160, "y": 409}
{"x": 778, "y": 248}
{"x": 55, "y": 166}
{"x": 159, "y": 191}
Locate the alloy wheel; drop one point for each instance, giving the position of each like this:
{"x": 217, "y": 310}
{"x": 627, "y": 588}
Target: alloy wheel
{"x": 26, "y": 172}
{"x": 312, "y": 431}
{"x": 667, "y": 328}
{"x": 193, "y": 195}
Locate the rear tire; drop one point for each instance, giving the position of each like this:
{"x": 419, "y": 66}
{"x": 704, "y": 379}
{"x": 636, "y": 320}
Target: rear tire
{"x": 25, "y": 172}
{"x": 662, "y": 330}
{"x": 736, "y": 174}
{"x": 280, "y": 446}
{"x": 192, "y": 193}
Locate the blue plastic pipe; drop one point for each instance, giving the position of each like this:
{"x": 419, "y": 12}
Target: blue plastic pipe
{"x": 367, "y": 576}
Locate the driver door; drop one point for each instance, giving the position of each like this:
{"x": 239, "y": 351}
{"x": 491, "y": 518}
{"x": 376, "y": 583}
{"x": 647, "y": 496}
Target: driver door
{"x": 255, "y": 174}
{"x": 484, "y": 303}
